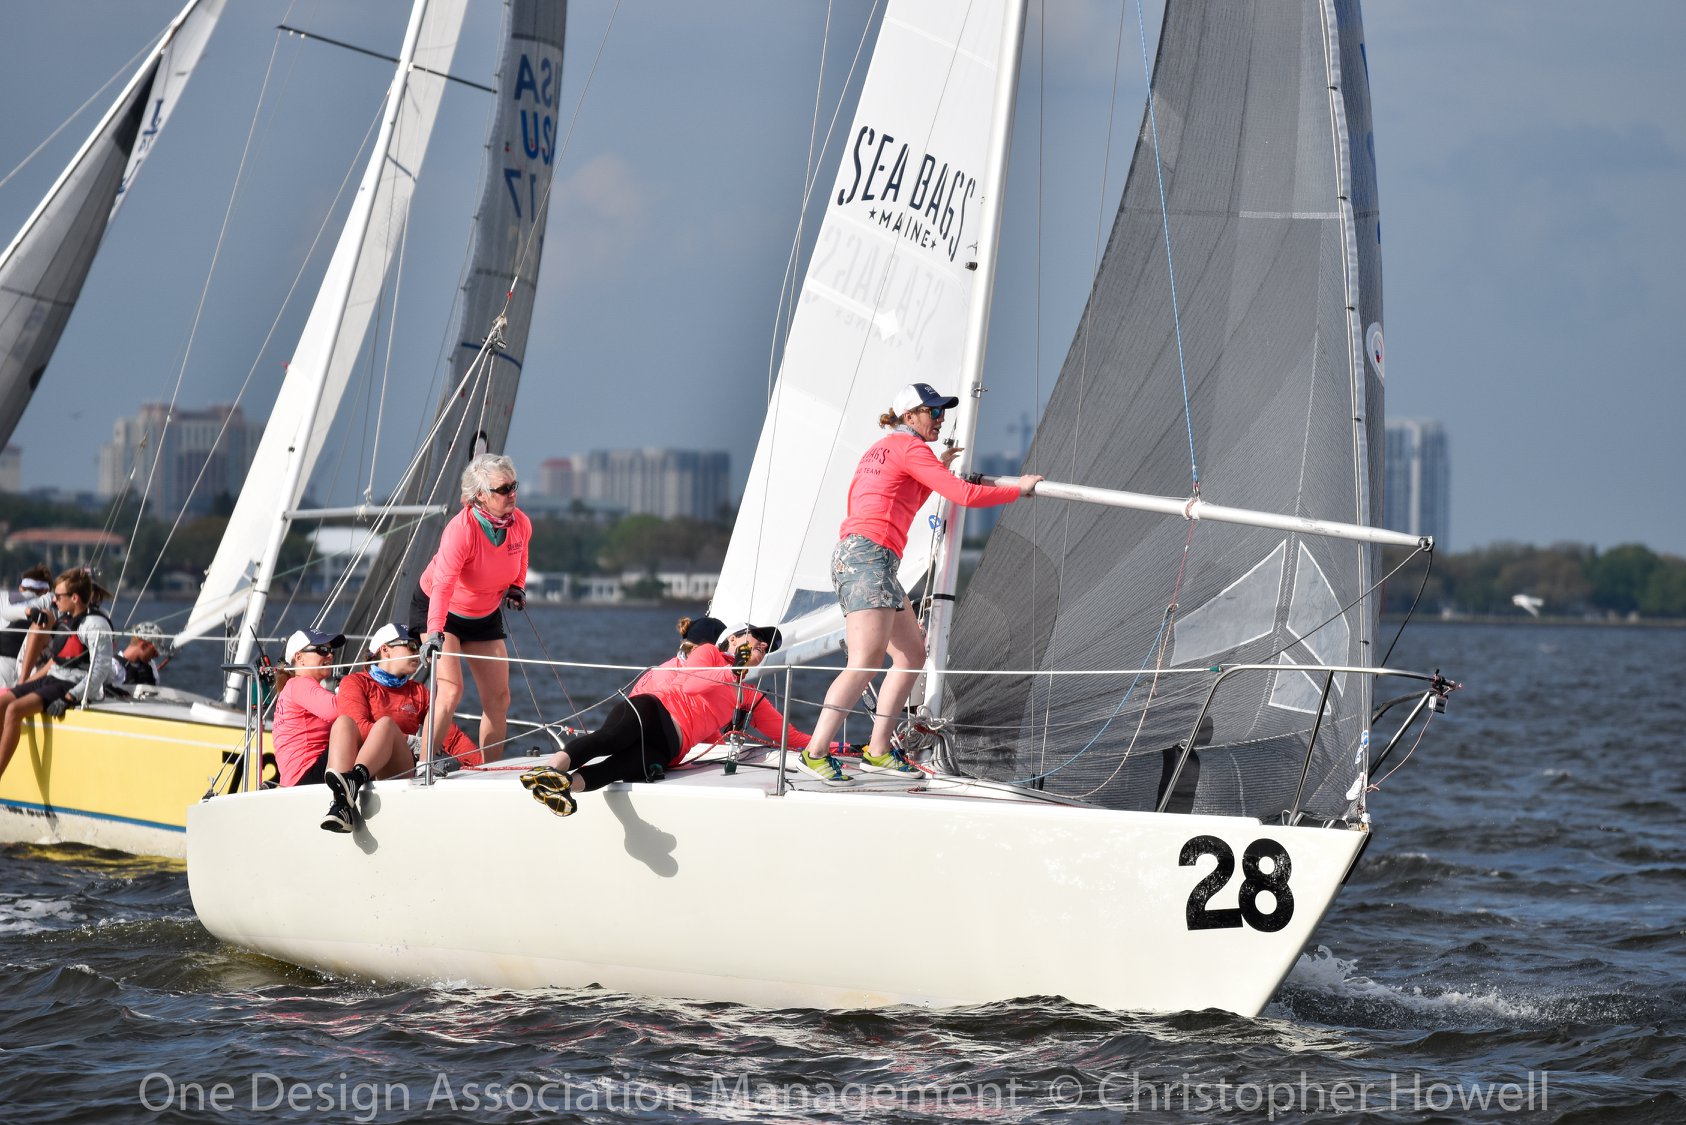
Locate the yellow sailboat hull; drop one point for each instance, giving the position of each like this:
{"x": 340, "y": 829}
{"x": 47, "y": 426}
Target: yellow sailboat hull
{"x": 119, "y": 775}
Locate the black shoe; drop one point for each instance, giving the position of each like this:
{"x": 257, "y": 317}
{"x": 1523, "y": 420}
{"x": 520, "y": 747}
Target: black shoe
{"x": 346, "y": 787}
{"x": 339, "y": 817}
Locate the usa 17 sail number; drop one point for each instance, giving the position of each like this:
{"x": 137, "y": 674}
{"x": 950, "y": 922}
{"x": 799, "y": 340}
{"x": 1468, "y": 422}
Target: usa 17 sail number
{"x": 1254, "y": 879}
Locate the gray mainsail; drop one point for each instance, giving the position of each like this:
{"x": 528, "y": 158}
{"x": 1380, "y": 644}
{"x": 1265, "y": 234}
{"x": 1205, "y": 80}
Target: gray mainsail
{"x": 1261, "y": 110}
{"x": 479, "y": 399}
{"x": 44, "y": 268}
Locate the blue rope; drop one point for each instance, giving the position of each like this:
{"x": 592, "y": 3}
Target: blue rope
{"x": 1165, "y": 222}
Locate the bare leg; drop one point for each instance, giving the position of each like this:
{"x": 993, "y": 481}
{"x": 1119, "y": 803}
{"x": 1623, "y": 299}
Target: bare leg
{"x": 907, "y": 657}
{"x": 386, "y": 751}
{"x": 868, "y": 634}
{"x": 11, "y": 729}
{"x": 447, "y": 689}
{"x": 17, "y": 709}
{"x": 34, "y": 644}
{"x": 344, "y": 741}
{"x": 491, "y": 681}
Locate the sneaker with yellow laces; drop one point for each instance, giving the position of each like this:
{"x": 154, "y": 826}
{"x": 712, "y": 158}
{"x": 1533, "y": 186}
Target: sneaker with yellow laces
{"x": 828, "y": 769}
{"x": 892, "y": 761}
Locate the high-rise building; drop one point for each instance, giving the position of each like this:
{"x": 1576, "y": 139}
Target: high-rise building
{"x": 201, "y": 456}
{"x": 11, "y": 469}
{"x": 1417, "y": 489}
{"x": 657, "y": 482}
{"x": 557, "y": 480}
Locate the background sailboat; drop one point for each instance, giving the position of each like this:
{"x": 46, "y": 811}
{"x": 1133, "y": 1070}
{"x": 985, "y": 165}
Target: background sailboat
{"x": 497, "y": 297}
{"x": 44, "y": 268}
{"x": 123, "y": 774}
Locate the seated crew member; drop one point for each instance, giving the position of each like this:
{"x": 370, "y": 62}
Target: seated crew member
{"x": 377, "y": 732}
{"x": 305, "y": 709}
{"x": 680, "y": 708}
{"x": 17, "y": 616}
{"x": 137, "y": 664}
{"x": 79, "y": 667}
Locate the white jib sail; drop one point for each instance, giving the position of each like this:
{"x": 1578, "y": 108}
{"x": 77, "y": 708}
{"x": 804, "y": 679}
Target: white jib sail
{"x": 884, "y": 303}
{"x": 239, "y": 575}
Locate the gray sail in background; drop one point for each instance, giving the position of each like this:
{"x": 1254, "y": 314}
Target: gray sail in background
{"x": 474, "y": 415}
{"x": 1262, "y": 112}
{"x": 43, "y": 270}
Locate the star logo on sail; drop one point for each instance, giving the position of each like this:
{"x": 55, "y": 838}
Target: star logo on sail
{"x": 919, "y": 197}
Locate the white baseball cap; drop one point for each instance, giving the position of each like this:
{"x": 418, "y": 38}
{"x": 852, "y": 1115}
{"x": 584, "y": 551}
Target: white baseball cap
{"x": 392, "y": 633}
{"x": 915, "y": 395}
{"x": 299, "y": 641}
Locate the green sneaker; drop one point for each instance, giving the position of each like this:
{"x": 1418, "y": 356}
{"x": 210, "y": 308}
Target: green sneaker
{"x": 828, "y": 769}
{"x": 892, "y": 762}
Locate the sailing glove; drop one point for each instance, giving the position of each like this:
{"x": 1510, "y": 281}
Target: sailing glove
{"x": 515, "y": 598}
{"x": 56, "y": 709}
{"x": 431, "y": 648}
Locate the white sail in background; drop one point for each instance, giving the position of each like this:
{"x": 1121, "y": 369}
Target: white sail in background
{"x": 44, "y": 268}
{"x": 885, "y": 302}
{"x": 239, "y": 575}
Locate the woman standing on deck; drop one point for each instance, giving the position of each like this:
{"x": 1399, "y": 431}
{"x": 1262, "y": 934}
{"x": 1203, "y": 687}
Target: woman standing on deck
{"x": 480, "y": 568}
{"x": 893, "y": 479}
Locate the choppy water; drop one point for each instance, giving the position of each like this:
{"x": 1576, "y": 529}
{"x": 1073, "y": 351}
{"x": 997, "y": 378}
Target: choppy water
{"x": 1516, "y": 934}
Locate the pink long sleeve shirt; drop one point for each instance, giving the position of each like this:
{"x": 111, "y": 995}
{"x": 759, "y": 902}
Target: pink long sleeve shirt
{"x": 468, "y": 576}
{"x": 895, "y": 477}
{"x": 303, "y": 716}
{"x": 702, "y": 693}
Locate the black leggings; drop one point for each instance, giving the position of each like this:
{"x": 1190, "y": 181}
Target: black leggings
{"x": 636, "y": 734}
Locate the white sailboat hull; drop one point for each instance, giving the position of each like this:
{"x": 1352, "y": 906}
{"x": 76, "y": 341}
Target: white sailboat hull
{"x": 710, "y": 887}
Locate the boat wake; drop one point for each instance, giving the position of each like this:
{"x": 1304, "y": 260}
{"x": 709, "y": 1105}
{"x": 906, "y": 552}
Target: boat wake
{"x": 1328, "y": 989}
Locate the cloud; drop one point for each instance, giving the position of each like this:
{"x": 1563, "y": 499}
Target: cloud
{"x": 598, "y": 221}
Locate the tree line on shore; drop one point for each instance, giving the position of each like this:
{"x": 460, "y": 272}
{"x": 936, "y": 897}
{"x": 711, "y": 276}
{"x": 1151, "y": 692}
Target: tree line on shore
{"x": 1570, "y": 579}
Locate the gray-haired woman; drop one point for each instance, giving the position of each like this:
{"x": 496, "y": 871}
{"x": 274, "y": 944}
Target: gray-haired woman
{"x": 480, "y": 567}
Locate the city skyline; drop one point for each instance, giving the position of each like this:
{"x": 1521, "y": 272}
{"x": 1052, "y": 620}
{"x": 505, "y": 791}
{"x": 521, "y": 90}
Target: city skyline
{"x": 1528, "y": 153}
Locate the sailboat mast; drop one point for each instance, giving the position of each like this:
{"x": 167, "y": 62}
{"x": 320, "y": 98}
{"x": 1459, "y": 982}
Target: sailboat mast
{"x": 951, "y": 517}
{"x": 331, "y": 303}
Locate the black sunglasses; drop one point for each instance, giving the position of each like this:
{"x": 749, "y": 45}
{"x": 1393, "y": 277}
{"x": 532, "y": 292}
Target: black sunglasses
{"x": 319, "y": 650}
{"x": 504, "y": 489}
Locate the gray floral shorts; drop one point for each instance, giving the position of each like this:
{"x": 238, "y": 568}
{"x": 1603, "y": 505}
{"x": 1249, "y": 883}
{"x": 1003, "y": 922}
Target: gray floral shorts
{"x": 865, "y": 575}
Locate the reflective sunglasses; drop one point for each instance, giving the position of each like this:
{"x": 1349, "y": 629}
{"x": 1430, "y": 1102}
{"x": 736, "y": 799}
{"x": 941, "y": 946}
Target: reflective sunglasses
{"x": 505, "y": 489}
{"x": 936, "y": 412}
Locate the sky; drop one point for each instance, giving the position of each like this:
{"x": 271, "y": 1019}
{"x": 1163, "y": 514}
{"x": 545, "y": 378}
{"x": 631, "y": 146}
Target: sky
{"x": 1531, "y": 155}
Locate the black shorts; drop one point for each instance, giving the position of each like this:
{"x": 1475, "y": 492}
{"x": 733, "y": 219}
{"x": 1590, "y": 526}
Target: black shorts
{"x": 48, "y": 688}
{"x": 467, "y": 629}
{"x": 317, "y": 773}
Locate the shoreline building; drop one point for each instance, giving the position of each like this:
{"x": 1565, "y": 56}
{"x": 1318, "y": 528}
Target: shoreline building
{"x": 1417, "y": 489}
{"x": 203, "y": 455}
{"x": 670, "y": 483}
